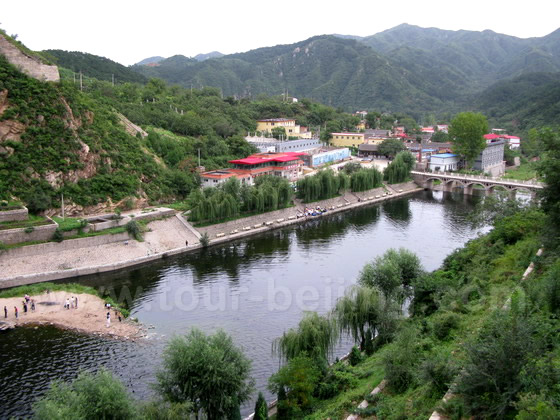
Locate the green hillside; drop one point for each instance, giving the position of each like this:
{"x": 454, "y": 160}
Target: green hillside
{"x": 94, "y": 66}
{"x": 404, "y": 69}
{"x": 56, "y": 138}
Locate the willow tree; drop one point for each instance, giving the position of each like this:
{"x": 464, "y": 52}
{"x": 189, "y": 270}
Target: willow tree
{"x": 394, "y": 273}
{"x": 365, "y": 179}
{"x": 359, "y": 313}
{"x": 315, "y": 337}
{"x": 399, "y": 169}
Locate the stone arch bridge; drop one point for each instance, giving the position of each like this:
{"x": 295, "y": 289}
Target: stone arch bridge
{"x": 449, "y": 181}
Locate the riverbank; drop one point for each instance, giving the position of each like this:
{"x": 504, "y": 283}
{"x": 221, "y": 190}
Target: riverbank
{"x": 171, "y": 236}
{"x": 89, "y": 317}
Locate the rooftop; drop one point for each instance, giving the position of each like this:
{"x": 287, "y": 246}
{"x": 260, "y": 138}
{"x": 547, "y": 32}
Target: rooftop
{"x": 445, "y": 155}
{"x": 277, "y": 120}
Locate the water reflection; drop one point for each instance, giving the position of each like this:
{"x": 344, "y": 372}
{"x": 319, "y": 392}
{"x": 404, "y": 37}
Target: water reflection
{"x": 255, "y": 289}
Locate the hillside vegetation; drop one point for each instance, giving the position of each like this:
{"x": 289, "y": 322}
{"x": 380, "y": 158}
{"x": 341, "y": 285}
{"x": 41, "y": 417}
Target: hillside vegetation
{"x": 418, "y": 71}
{"x": 57, "y": 139}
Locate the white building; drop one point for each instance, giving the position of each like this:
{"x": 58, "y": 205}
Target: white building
{"x": 443, "y": 162}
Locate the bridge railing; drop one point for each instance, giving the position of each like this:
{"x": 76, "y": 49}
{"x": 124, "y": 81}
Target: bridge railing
{"x": 529, "y": 182}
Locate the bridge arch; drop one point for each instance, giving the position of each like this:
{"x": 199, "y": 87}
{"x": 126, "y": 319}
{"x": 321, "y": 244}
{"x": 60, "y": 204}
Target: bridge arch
{"x": 471, "y": 185}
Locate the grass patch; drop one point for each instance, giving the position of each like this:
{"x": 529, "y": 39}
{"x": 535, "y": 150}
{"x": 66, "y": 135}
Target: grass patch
{"x": 32, "y": 221}
{"x": 178, "y": 205}
{"x": 524, "y": 172}
{"x": 69, "y": 223}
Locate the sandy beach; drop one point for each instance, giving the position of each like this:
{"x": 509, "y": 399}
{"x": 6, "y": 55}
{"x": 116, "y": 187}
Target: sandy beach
{"x": 89, "y": 317}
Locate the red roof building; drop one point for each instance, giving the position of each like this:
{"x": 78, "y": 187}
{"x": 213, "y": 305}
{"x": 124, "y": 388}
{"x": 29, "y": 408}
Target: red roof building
{"x": 286, "y": 165}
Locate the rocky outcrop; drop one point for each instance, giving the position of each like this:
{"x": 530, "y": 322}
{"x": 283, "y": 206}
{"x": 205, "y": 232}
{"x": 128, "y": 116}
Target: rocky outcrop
{"x": 27, "y": 64}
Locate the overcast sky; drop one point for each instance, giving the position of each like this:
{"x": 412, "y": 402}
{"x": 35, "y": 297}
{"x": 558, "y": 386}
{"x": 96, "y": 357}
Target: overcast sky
{"x": 129, "y": 31}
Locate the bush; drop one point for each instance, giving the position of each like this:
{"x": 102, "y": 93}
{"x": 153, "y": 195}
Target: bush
{"x": 444, "y": 323}
{"x": 134, "y": 229}
{"x": 58, "y": 236}
{"x": 29, "y": 229}
{"x": 261, "y": 408}
{"x": 355, "y": 356}
{"x": 89, "y": 396}
{"x": 204, "y": 240}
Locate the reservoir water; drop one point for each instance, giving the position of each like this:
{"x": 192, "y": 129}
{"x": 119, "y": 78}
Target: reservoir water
{"x": 254, "y": 289}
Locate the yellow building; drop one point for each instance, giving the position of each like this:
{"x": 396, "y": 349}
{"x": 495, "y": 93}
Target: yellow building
{"x": 347, "y": 139}
{"x": 289, "y": 124}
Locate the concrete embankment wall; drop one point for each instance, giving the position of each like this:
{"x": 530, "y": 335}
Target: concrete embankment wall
{"x": 397, "y": 191}
{"x": 29, "y": 251}
{"x": 39, "y": 233}
{"x": 13, "y": 215}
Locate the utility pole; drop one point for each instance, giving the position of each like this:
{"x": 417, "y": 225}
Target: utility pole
{"x": 81, "y": 83}
{"x": 112, "y": 79}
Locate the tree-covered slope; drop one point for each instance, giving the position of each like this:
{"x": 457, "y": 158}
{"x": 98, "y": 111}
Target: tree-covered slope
{"x": 528, "y": 101}
{"x": 338, "y": 72}
{"x": 94, "y": 66}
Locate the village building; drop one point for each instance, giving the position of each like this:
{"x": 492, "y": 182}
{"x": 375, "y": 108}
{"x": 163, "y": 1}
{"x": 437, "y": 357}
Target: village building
{"x": 491, "y": 159}
{"x": 347, "y": 139}
{"x": 286, "y": 165}
{"x": 326, "y": 155}
{"x": 289, "y": 124}
{"x": 443, "y": 162}
{"x": 272, "y": 145}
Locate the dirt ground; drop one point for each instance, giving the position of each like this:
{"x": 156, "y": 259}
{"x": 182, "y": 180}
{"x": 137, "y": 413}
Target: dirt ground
{"x": 89, "y": 317}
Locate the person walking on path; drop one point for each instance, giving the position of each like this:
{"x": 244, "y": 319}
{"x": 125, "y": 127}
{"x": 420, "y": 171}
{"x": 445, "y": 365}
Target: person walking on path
{"x": 5, "y": 312}
{"x": 76, "y": 302}
{"x": 108, "y": 319}
{"x": 16, "y": 311}
{"x": 25, "y": 308}
{"x": 32, "y": 305}
{"x": 67, "y": 303}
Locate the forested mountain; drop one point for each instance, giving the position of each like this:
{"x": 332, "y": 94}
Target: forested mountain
{"x": 150, "y": 60}
{"x": 94, "y": 66}
{"x": 406, "y": 68}
{"x": 334, "y": 71}
{"x": 527, "y": 101}
{"x": 207, "y": 56}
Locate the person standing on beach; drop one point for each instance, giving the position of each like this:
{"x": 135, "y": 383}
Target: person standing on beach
{"x": 16, "y": 311}
{"x": 24, "y": 307}
{"x": 108, "y": 319}
{"x": 32, "y": 305}
{"x": 5, "y": 312}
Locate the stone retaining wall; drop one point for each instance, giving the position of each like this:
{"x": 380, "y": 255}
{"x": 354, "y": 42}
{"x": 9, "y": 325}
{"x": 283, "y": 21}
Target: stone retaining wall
{"x": 39, "y": 233}
{"x": 28, "y": 251}
{"x": 13, "y": 215}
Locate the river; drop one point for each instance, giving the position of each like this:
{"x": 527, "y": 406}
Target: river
{"x": 254, "y": 289}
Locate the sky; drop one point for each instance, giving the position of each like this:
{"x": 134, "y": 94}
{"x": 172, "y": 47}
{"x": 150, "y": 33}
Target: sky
{"x": 129, "y": 31}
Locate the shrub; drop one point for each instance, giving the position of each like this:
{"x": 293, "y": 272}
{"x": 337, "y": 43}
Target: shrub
{"x": 29, "y": 229}
{"x": 204, "y": 240}
{"x": 133, "y": 228}
{"x": 444, "y": 323}
{"x": 261, "y": 408}
{"x": 58, "y": 236}
{"x": 355, "y": 356}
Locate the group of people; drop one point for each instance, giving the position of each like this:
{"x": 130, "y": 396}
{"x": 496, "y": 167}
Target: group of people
{"x": 71, "y": 303}
{"x": 108, "y": 308}
{"x": 312, "y": 212}
{"x": 27, "y": 304}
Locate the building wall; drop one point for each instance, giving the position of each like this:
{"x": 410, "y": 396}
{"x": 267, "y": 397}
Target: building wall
{"x": 444, "y": 164}
{"x": 330, "y": 156}
{"x": 491, "y": 157}
{"x": 297, "y": 145}
{"x": 347, "y": 140}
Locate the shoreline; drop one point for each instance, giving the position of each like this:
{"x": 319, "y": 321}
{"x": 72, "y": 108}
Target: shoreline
{"x": 365, "y": 198}
{"x": 89, "y": 317}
